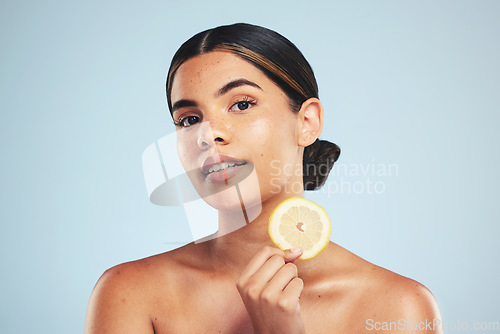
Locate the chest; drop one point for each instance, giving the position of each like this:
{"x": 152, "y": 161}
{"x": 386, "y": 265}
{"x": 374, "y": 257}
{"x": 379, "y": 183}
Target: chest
{"x": 207, "y": 308}
{"x": 216, "y": 307}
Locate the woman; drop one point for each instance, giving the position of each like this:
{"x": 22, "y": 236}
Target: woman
{"x": 245, "y": 104}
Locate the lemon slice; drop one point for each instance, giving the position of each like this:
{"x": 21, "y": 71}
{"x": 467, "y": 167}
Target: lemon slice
{"x": 299, "y": 222}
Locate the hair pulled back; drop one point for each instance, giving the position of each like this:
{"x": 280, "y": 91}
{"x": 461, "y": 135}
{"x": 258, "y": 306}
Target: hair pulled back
{"x": 283, "y": 63}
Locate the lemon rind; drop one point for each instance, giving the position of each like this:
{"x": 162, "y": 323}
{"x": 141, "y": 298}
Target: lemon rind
{"x": 284, "y": 246}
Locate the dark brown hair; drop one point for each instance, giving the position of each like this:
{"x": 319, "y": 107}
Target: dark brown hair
{"x": 283, "y": 63}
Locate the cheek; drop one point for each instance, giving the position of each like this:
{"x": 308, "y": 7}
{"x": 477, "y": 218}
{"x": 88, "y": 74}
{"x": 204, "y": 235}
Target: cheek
{"x": 259, "y": 130}
{"x": 262, "y": 138}
{"x": 272, "y": 136}
{"x": 186, "y": 148}
{"x": 272, "y": 143}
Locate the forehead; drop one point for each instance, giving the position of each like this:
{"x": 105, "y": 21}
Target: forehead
{"x": 209, "y": 71}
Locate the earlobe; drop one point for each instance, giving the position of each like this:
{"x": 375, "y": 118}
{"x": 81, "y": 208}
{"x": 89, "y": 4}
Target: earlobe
{"x": 310, "y": 121}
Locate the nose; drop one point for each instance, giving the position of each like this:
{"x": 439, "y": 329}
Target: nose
{"x": 212, "y": 133}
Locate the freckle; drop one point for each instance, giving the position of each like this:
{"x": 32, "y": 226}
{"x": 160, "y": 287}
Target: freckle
{"x": 262, "y": 154}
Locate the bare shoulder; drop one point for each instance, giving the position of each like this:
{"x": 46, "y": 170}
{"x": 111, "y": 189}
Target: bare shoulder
{"x": 401, "y": 303}
{"x": 124, "y": 296}
{"x": 399, "y": 296}
{"x": 386, "y": 297}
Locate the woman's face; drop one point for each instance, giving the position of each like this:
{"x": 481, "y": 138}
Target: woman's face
{"x": 234, "y": 123}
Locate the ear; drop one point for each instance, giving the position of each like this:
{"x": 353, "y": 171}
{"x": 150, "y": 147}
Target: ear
{"x": 310, "y": 122}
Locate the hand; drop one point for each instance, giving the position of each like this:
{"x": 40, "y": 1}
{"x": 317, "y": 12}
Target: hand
{"x": 270, "y": 289}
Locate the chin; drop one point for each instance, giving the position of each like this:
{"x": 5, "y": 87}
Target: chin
{"x": 244, "y": 195}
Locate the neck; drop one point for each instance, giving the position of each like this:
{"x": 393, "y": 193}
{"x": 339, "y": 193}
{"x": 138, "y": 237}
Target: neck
{"x": 233, "y": 247}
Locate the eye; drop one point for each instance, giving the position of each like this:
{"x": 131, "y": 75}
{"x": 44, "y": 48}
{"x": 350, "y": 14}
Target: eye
{"x": 243, "y": 104}
{"x": 187, "y": 121}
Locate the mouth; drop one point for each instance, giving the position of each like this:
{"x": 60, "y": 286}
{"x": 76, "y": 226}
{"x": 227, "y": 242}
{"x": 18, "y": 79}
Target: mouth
{"x": 220, "y": 168}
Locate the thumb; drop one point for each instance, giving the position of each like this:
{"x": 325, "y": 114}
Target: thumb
{"x": 292, "y": 254}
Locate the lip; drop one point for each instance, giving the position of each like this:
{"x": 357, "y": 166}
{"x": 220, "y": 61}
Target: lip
{"x": 221, "y": 175}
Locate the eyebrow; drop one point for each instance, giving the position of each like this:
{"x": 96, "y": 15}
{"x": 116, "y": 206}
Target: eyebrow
{"x": 226, "y": 88}
{"x": 183, "y": 103}
{"x": 236, "y": 83}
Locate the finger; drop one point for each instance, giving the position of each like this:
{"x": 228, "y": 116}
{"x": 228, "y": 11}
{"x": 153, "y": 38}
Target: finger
{"x": 294, "y": 289}
{"x": 282, "y": 278}
{"x": 288, "y": 300}
{"x": 292, "y": 254}
{"x": 264, "y": 254}
{"x": 265, "y": 273}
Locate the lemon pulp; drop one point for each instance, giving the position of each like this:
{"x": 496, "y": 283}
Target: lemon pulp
{"x": 299, "y": 222}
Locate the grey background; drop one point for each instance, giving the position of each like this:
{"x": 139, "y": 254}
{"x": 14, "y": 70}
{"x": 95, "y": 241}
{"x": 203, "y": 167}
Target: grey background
{"x": 410, "y": 83}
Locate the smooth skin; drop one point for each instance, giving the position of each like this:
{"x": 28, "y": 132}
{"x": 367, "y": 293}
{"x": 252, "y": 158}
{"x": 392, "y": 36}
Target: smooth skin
{"x": 238, "y": 281}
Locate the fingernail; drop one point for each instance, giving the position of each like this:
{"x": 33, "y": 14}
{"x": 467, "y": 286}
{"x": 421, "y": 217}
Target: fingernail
{"x": 296, "y": 250}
